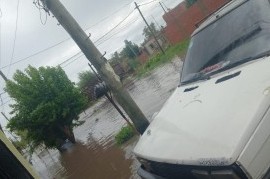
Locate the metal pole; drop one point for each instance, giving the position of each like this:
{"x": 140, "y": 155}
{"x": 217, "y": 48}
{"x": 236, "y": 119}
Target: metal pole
{"x": 3, "y": 76}
{"x": 137, "y": 7}
{"x": 5, "y": 116}
{"x": 112, "y": 101}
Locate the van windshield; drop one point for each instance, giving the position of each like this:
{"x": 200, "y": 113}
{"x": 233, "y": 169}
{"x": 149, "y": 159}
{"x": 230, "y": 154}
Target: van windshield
{"x": 238, "y": 35}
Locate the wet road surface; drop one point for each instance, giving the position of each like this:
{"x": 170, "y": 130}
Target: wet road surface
{"x": 96, "y": 155}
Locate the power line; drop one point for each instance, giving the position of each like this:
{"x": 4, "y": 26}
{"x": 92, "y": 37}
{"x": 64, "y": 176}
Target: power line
{"x": 5, "y": 102}
{"x": 165, "y": 6}
{"x": 120, "y": 30}
{"x": 106, "y": 39}
{"x": 70, "y": 58}
{"x": 147, "y": 3}
{"x": 50, "y": 47}
{"x": 73, "y": 60}
{"x": 96, "y": 40}
{"x": 115, "y": 26}
{"x": 15, "y": 37}
{"x": 107, "y": 16}
{"x": 41, "y": 51}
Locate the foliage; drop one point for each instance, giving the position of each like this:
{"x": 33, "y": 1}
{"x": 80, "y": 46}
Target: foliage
{"x": 146, "y": 31}
{"x": 47, "y": 105}
{"x": 124, "y": 135}
{"x": 23, "y": 143}
{"x": 190, "y": 2}
{"x": 153, "y": 62}
{"x": 87, "y": 81}
{"x": 130, "y": 50}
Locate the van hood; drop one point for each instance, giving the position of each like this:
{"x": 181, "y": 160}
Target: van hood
{"x": 211, "y": 124}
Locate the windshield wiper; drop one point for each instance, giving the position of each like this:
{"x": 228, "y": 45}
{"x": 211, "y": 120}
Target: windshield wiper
{"x": 197, "y": 77}
{"x": 206, "y": 76}
{"x": 239, "y": 62}
{"x": 240, "y": 41}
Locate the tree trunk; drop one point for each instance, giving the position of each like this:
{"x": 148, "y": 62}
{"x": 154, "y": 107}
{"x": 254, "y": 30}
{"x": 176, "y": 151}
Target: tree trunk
{"x": 69, "y": 134}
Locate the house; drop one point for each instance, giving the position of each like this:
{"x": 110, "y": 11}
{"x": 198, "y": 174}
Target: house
{"x": 150, "y": 47}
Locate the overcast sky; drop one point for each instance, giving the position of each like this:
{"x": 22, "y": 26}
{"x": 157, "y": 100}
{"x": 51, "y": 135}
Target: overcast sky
{"x": 97, "y": 16}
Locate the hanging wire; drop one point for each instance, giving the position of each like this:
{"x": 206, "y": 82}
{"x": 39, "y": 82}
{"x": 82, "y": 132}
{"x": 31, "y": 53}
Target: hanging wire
{"x": 1, "y": 13}
{"x": 165, "y": 6}
{"x": 73, "y": 60}
{"x": 41, "y": 7}
{"x": 15, "y": 37}
{"x": 147, "y": 3}
{"x": 115, "y": 26}
{"x": 59, "y": 43}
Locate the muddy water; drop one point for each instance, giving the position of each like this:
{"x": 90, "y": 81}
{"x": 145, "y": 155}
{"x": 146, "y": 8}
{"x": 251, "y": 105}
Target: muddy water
{"x": 96, "y": 155}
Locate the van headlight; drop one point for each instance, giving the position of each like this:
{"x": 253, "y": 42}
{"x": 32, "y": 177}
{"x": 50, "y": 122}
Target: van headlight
{"x": 218, "y": 174}
{"x": 145, "y": 164}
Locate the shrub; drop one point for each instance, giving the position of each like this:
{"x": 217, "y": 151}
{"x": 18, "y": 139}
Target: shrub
{"x": 124, "y": 135}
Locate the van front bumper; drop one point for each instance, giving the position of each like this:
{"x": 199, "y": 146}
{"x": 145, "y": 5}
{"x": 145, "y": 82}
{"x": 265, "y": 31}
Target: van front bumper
{"x": 156, "y": 170}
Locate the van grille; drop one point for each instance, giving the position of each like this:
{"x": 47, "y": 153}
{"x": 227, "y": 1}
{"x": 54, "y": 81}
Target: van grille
{"x": 172, "y": 171}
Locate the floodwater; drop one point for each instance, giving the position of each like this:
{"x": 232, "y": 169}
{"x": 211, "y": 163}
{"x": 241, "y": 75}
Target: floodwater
{"x": 96, "y": 155}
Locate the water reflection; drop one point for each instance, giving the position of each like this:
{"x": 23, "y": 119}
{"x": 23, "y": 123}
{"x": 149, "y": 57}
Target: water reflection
{"x": 94, "y": 161}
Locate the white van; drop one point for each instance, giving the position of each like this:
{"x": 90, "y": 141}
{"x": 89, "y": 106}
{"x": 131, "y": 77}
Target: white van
{"x": 216, "y": 124}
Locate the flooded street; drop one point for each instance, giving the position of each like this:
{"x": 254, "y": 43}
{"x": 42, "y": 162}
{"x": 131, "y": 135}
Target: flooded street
{"x": 96, "y": 155}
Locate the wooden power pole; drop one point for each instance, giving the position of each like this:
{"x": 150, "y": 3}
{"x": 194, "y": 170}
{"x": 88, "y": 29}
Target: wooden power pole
{"x": 3, "y": 76}
{"x": 98, "y": 61}
{"x": 153, "y": 34}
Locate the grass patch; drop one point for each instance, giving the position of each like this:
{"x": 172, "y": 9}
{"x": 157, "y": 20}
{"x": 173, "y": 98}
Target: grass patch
{"x": 124, "y": 135}
{"x": 178, "y": 49}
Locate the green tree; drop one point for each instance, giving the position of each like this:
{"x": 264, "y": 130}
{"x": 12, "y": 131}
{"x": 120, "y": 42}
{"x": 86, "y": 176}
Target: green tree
{"x": 131, "y": 50}
{"x": 47, "y": 105}
{"x": 87, "y": 81}
{"x": 147, "y": 33}
{"x": 190, "y": 2}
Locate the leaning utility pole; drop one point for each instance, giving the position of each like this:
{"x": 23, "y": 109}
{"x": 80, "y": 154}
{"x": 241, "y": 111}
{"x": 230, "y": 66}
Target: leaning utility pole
{"x": 1, "y": 129}
{"x": 153, "y": 34}
{"x": 5, "y": 116}
{"x": 162, "y": 8}
{"x": 3, "y": 76}
{"x": 99, "y": 62}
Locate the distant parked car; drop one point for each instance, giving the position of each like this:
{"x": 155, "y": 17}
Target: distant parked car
{"x": 216, "y": 124}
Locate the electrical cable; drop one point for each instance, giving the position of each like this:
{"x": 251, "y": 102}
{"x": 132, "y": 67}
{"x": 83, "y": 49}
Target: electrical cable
{"x": 70, "y": 58}
{"x": 143, "y": 4}
{"x": 106, "y": 39}
{"x": 73, "y": 60}
{"x": 15, "y": 37}
{"x": 120, "y": 30}
{"x": 50, "y": 47}
{"x": 114, "y": 26}
{"x": 41, "y": 51}
{"x": 165, "y": 6}
{"x": 105, "y": 18}
{"x": 80, "y": 51}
